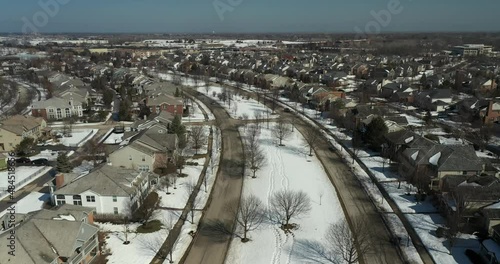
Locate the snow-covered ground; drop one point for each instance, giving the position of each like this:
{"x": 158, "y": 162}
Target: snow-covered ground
{"x": 288, "y": 168}
{"x": 189, "y": 151}
{"x": 24, "y": 175}
{"x": 196, "y": 113}
{"x": 32, "y": 202}
{"x": 142, "y": 246}
{"x": 181, "y": 190}
{"x": 46, "y": 154}
{"x": 426, "y": 224}
{"x": 240, "y": 107}
{"x": 78, "y": 137}
{"x": 416, "y": 212}
{"x": 114, "y": 138}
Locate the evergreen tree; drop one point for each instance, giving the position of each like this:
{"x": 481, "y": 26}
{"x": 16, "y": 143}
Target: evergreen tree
{"x": 63, "y": 164}
{"x": 375, "y": 132}
{"x": 177, "y": 92}
{"x": 176, "y": 127}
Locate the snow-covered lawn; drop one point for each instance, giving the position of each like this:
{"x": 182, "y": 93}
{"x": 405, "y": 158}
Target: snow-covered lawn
{"x": 184, "y": 185}
{"x": 426, "y": 224}
{"x": 288, "y": 167}
{"x": 190, "y": 150}
{"x": 240, "y": 106}
{"x": 45, "y": 154}
{"x": 196, "y": 112}
{"x": 78, "y": 137}
{"x": 142, "y": 246}
{"x": 114, "y": 138}
{"x": 32, "y": 202}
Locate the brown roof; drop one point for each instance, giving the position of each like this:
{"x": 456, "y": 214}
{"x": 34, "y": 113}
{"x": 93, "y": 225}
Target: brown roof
{"x": 18, "y": 124}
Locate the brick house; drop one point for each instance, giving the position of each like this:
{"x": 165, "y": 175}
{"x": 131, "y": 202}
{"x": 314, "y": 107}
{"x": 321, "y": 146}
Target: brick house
{"x": 171, "y": 104}
{"x": 491, "y": 113}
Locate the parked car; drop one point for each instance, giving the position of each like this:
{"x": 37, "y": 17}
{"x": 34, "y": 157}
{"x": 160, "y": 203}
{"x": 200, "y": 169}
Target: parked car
{"x": 40, "y": 162}
{"x": 23, "y": 160}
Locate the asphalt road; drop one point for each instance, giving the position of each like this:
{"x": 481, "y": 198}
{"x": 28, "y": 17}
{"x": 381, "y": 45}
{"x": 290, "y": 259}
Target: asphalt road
{"x": 208, "y": 248}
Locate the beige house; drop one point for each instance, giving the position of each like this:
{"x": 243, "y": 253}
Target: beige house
{"x": 143, "y": 153}
{"x": 14, "y": 129}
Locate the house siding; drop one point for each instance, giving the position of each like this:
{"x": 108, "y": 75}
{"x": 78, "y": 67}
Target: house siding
{"x": 8, "y": 140}
{"x": 130, "y": 158}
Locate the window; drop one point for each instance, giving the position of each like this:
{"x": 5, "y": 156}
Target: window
{"x": 51, "y": 110}
{"x": 60, "y": 199}
{"x": 59, "y": 113}
{"x": 115, "y": 198}
{"x": 144, "y": 168}
{"x": 90, "y": 198}
{"x": 115, "y": 210}
{"x": 77, "y": 200}
{"x": 67, "y": 112}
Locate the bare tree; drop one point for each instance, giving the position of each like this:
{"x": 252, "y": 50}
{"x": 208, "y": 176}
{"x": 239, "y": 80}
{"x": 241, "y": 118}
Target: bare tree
{"x": 95, "y": 149}
{"x": 127, "y": 217}
{"x": 166, "y": 182}
{"x": 154, "y": 244}
{"x": 176, "y": 79}
{"x": 255, "y": 157}
{"x": 258, "y": 119}
{"x": 179, "y": 162}
{"x": 249, "y": 214}
{"x": 286, "y": 205}
{"x": 282, "y": 131}
{"x": 461, "y": 197}
{"x": 350, "y": 242}
{"x": 193, "y": 199}
{"x": 198, "y": 137}
{"x": 311, "y": 138}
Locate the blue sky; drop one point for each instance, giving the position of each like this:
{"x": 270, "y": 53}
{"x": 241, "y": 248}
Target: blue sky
{"x": 200, "y": 16}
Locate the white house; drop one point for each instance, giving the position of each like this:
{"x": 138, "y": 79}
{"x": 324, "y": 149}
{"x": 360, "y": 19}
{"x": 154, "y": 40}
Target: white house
{"x": 110, "y": 190}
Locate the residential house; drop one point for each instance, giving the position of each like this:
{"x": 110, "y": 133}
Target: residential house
{"x": 488, "y": 85}
{"x": 434, "y": 100}
{"x": 422, "y": 159}
{"x": 164, "y": 102}
{"x": 106, "y": 189}
{"x": 151, "y": 146}
{"x": 14, "y": 129}
{"x": 65, "y": 234}
{"x": 490, "y": 114}
{"x": 58, "y": 108}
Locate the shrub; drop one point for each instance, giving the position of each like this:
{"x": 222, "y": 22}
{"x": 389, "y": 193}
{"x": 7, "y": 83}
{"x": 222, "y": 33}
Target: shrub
{"x": 192, "y": 163}
{"x": 149, "y": 227}
{"x": 109, "y": 218}
{"x": 440, "y": 232}
{"x": 147, "y": 207}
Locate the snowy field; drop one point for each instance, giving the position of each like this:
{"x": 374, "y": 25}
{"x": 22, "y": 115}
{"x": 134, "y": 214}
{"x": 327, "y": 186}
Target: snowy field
{"x": 240, "y": 107}
{"x": 288, "y": 168}
{"x": 189, "y": 151}
{"x": 78, "y": 138}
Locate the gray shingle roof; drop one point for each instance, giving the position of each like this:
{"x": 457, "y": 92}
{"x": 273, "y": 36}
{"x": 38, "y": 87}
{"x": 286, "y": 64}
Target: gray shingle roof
{"x": 105, "y": 180}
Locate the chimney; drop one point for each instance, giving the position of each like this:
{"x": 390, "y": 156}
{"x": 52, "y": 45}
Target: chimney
{"x": 59, "y": 180}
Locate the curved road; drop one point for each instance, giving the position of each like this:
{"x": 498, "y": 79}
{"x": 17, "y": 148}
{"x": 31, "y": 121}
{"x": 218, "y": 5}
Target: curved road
{"x": 208, "y": 248}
